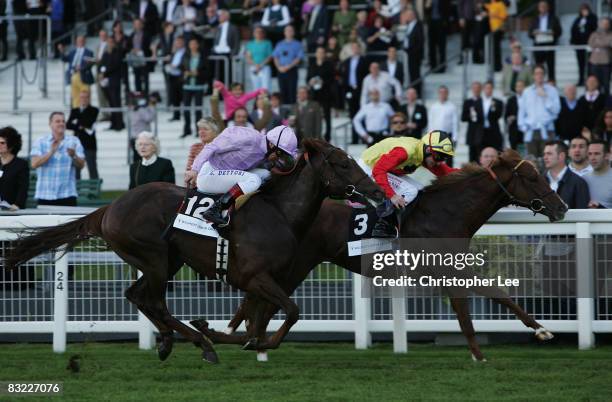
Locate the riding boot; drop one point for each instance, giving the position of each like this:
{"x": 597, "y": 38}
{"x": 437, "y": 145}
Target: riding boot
{"x": 385, "y": 229}
{"x": 214, "y": 214}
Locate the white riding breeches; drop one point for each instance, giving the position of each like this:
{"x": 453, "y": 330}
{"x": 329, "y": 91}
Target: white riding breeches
{"x": 405, "y": 186}
{"x": 211, "y": 180}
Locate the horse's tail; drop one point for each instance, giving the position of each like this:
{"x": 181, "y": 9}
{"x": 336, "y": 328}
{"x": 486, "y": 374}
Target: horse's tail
{"x": 33, "y": 242}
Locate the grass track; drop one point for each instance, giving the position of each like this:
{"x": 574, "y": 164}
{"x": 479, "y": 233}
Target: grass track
{"x": 315, "y": 372}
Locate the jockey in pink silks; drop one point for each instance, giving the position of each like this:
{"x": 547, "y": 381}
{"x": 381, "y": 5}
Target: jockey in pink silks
{"x": 233, "y": 164}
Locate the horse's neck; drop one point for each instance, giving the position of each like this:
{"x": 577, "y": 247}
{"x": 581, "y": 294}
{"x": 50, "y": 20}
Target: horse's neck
{"x": 467, "y": 208}
{"x": 300, "y": 202}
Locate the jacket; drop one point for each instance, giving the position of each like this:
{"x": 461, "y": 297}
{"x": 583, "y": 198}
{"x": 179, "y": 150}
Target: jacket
{"x": 573, "y": 190}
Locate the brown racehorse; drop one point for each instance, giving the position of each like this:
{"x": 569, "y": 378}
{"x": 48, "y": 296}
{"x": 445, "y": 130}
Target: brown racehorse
{"x": 263, "y": 235}
{"x": 474, "y": 197}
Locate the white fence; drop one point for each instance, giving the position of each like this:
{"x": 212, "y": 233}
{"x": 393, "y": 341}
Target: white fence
{"x": 83, "y": 291}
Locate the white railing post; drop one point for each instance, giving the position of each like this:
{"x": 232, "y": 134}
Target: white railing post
{"x": 398, "y": 301}
{"x": 146, "y": 339}
{"x": 362, "y": 313}
{"x": 584, "y": 285}
{"x": 60, "y": 302}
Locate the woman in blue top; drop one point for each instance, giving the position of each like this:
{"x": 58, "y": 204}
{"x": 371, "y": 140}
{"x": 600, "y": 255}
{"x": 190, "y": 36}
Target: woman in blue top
{"x": 258, "y": 56}
{"x": 194, "y": 83}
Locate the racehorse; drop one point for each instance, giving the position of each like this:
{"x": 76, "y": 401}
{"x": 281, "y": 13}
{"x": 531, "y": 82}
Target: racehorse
{"x": 454, "y": 206}
{"x": 263, "y": 237}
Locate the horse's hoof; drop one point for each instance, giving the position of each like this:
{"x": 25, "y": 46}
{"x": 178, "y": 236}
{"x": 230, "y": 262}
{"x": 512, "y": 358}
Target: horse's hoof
{"x": 262, "y": 356}
{"x": 250, "y": 345}
{"x": 210, "y": 356}
{"x": 163, "y": 351}
{"x": 543, "y": 334}
{"x": 228, "y": 331}
{"x": 200, "y": 325}
{"x": 478, "y": 359}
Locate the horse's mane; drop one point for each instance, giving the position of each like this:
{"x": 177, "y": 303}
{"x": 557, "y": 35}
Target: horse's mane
{"x": 469, "y": 171}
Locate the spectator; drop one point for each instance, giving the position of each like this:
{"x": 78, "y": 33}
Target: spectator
{"x": 278, "y": 108}
{"x": 603, "y": 126}
{"x": 379, "y": 39}
{"x": 582, "y": 28}
{"x": 572, "y": 188}
{"x": 22, "y": 29}
{"x": 361, "y": 27}
{"x": 343, "y": 22}
{"x": 545, "y": 30}
{"x": 317, "y": 26}
{"x": 148, "y": 13}
{"x": 81, "y": 121}
{"x": 438, "y": 14}
{"x": 194, "y": 84}
{"x": 392, "y": 66}
{"x": 592, "y": 102}
{"x": 466, "y": 11}
{"x": 579, "y": 163}
{"x": 515, "y": 136}
{"x": 208, "y": 28}
{"x": 110, "y": 72}
{"x": 539, "y": 107}
{"x": 473, "y": 114}
{"x": 184, "y": 18}
{"x": 443, "y": 114}
{"x": 600, "y": 179}
{"x": 354, "y": 71}
{"x": 288, "y": 54}
{"x": 78, "y": 74}
{"x": 389, "y": 89}
{"x": 320, "y": 79}
{"x": 569, "y": 122}
{"x": 15, "y": 178}
{"x": 240, "y": 117}
{"x": 225, "y": 44}
{"x": 139, "y": 47}
{"x": 56, "y": 157}
{"x": 254, "y": 9}
{"x": 308, "y": 116}
{"x": 207, "y": 132}
{"x": 275, "y": 19}
{"x": 167, "y": 12}
{"x": 493, "y": 110}
{"x": 416, "y": 114}
{"x": 376, "y": 115}
{"x": 411, "y": 37}
{"x": 498, "y": 13}
{"x": 142, "y": 115}
{"x": 164, "y": 47}
{"x": 488, "y": 155}
{"x": 236, "y": 98}
{"x": 262, "y": 107}
{"x": 150, "y": 167}
{"x": 399, "y": 125}
{"x": 376, "y": 11}
{"x": 515, "y": 71}
{"x": 258, "y": 57}
{"x": 347, "y": 50}
{"x": 600, "y": 42}
{"x": 121, "y": 42}
{"x": 174, "y": 76}
{"x": 481, "y": 30}
{"x": 100, "y": 50}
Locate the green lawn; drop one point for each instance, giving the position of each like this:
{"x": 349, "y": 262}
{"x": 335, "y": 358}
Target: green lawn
{"x": 317, "y": 372}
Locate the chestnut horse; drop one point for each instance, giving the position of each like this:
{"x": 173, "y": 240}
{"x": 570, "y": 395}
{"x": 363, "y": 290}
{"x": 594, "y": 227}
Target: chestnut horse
{"x": 263, "y": 238}
{"x": 454, "y": 206}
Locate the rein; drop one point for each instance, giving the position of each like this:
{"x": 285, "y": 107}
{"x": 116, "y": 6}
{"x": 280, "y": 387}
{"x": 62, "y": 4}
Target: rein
{"x": 535, "y": 205}
{"x": 351, "y": 189}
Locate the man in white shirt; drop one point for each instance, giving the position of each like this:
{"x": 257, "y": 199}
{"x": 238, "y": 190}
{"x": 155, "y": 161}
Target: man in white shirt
{"x": 388, "y": 87}
{"x": 226, "y": 44}
{"x": 600, "y": 179}
{"x": 443, "y": 115}
{"x": 102, "y": 101}
{"x": 376, "y": 115}
{"x": 578, "y": 156}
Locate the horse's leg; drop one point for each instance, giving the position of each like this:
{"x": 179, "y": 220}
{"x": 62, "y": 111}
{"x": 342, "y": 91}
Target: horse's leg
{"x": 263, "y": 285}
{"x": 501, "y": 297}
{"x": 136, "y": 294}
{"x": 458, "y": 299}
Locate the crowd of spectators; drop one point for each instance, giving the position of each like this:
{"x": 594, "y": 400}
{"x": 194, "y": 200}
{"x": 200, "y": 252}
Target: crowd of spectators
{"x": 365, "y": 62}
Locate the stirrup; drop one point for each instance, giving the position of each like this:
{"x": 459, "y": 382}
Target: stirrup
{"x": 385, "y": 233}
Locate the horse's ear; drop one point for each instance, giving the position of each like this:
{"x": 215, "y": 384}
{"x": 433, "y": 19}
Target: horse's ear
{"x": 509, "y": 157}
{"x": 311, "y": 145}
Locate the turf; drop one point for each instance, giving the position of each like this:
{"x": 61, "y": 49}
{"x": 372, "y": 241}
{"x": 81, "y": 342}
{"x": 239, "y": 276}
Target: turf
{"x": 316, "y": 372}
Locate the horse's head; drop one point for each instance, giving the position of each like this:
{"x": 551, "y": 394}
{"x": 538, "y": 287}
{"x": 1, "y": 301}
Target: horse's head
{"x": 340, "y": 175}
{"x": 525, "y": 187}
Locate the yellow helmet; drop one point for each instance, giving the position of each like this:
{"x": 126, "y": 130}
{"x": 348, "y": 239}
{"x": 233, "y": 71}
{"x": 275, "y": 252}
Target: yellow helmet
{"x": 439, "y": 141}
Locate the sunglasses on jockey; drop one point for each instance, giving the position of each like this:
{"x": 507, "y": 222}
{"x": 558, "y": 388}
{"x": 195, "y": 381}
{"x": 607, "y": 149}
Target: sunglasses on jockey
{"x": 435, "y": 153}
{"x": 284, "y": 161}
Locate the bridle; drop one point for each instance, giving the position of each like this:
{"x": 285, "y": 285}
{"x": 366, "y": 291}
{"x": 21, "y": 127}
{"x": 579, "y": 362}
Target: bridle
{"x": 535, "y": 205}
{"x": 350, "y": 189}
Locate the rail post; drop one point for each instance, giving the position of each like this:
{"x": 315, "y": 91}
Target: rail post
{"x": 60, "y": 301}
{"x": 398, "y": 303}
{"x": 584, "y": 284}
{"x": 146, "y": 340}
{"x": 362, "y": 314}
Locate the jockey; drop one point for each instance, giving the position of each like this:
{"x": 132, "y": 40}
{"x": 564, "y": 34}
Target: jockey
{"x": 232, "y": 164}
{"x": 390, "y": 160}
